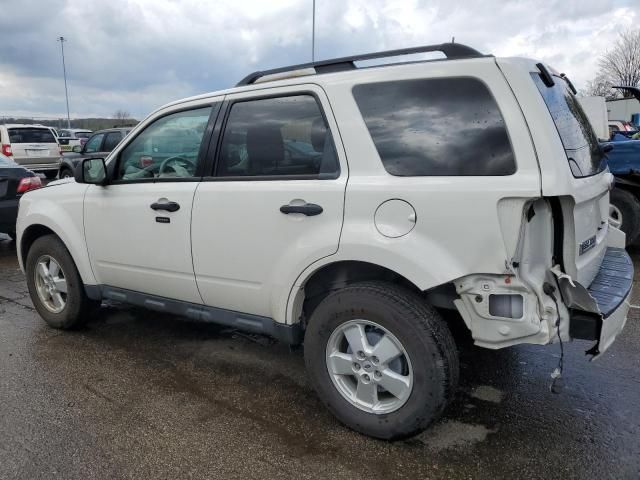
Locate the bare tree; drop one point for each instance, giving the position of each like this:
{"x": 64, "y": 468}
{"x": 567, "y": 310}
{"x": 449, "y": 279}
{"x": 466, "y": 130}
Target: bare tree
{"x": 600, "y": 87}
{"x": 121, "y": 116}
{"x": 621, "y": 64}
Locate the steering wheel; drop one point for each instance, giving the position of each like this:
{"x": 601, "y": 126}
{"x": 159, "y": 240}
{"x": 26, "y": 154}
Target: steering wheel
{"x": 186, "y": 164}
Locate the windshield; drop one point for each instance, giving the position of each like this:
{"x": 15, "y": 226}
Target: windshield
{"x": 31, "y": 135}
{"x": 580, "y": 143}
{"x": 83, "y": 134}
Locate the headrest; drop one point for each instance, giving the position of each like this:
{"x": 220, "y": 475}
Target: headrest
{"x": 318, "y": 134}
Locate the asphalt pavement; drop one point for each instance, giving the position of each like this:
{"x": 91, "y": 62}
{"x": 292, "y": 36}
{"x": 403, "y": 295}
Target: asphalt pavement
{"x": 139, "y": 395}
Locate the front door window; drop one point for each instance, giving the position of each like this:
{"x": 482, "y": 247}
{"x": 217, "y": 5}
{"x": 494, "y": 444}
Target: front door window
{"x": 167, "y": 148}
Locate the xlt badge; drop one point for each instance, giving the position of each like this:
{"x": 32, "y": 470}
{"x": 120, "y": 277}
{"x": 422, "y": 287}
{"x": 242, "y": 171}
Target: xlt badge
{"x": 588, "y": 244}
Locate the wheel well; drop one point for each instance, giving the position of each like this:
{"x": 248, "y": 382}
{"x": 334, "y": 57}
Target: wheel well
{"x": 631, "y": 187}
{"x": 30, "y": 235}
{"x": 337, "y": 275}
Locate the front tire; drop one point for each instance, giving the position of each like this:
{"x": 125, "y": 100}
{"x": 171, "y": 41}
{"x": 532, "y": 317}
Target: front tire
{"x": 55, "y": 286}
{"x": 381, "y": 359}
{"x": 624, "y": 213}
{"x": 65, "y": 173}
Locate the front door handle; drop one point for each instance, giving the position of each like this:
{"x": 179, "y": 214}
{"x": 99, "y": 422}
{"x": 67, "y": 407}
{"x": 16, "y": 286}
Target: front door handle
{"x": 308, "y": 209}
{"x": 168, "y": 206}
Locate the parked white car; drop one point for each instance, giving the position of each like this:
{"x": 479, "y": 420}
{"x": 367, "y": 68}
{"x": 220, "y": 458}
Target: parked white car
{"x": 347, "y": 207}
{"x": 32, "y": 146}
{"x": 70, "y": 137}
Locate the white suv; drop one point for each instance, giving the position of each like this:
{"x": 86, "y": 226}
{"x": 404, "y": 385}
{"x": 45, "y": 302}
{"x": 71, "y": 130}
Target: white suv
{"x": 73, "y": 137}
{"x": 347, "y": 208}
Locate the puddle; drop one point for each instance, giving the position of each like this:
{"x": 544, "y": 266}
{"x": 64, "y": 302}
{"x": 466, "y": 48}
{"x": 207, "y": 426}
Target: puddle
{"x": 452, "y": 434}
{"x": 487, "y": 394}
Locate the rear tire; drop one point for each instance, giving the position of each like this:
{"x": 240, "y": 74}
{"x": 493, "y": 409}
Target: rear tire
{"x": 51, "y": 174}
{"x": 55, "y": 286}
{"x": 625, "y": 210}
{"x": 427, "y": 365}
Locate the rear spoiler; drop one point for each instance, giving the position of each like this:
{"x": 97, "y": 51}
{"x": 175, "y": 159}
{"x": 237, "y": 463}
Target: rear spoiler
{"x": 635, "y": 91}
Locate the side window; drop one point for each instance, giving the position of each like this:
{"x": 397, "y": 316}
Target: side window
{"x": 436, "y": 127}
{"x": 282, "y": 136}
{"x": 112, "y": 139}
{"x": 168, "y": 148}
{"x": 93, "y": 145}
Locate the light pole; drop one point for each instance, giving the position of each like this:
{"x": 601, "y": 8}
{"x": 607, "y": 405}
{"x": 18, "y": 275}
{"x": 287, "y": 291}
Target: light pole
{"x": 64, "y": 72}
{"x": 313, "y": 33}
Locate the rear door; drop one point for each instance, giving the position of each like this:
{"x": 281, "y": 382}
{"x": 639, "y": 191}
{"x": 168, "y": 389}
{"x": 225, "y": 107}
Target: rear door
{"x": 274, "y": 202}
{"x": 34, "y": 146}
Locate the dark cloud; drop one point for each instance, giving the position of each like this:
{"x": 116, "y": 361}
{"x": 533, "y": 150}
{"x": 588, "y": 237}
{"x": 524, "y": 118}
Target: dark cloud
{"x": 138, "y": 54}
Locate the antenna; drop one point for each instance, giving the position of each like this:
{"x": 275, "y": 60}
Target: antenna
{"x": 313, "y": 33}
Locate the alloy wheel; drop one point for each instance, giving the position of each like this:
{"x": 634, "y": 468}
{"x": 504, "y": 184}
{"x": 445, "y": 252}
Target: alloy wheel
{"x": 369, "y": 366}
{"x": 615, "y": 216}
{"x": 51, "y": 284}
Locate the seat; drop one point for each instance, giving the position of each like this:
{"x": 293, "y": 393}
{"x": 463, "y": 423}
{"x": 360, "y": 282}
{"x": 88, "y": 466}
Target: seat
{"x": 265, "y": 149}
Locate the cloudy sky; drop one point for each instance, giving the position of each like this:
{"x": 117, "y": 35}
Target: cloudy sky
{"x": 138, "y": 54}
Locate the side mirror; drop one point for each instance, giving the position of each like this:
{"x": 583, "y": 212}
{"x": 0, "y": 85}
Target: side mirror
{"x": 76, "y": 149}
{"x": 92, "y": 171}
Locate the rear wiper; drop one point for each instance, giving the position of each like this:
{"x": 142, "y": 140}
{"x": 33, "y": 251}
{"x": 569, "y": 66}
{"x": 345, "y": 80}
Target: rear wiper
{"x": 571, "y": 87}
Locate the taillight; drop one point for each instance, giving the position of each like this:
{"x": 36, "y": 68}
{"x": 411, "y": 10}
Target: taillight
{"x": 28, "y": 183}
{"x": 6, "y": 150}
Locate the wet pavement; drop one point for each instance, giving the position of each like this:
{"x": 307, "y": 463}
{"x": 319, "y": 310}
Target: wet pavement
{"x": 142, "y": 395}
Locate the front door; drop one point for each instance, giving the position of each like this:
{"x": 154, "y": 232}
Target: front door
{"x": 138, "y": 227}
{"x": 274, "y": 204}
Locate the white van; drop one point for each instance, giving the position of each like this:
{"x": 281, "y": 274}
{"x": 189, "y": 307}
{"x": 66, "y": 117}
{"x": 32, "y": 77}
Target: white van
{"x": 32, "y": 146}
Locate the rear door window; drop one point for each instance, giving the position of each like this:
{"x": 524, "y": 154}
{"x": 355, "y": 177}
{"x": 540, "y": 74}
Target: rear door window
{"x": 112, "y": 139}
{"x": 31, "y": 135}
{"x": 436, "y": 127}
{"x": 580, "y": 142}
{"x": 277, "y": 137}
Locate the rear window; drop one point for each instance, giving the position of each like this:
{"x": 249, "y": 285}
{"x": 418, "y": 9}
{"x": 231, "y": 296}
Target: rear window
{"x": 436, "y": 127}
{"x": 580, "y": 143}
{"x": 31, "y": 135}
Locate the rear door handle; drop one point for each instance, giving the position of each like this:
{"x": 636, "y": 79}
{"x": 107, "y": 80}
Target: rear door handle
{"x": 168, "y": 206}
{"x": 308, "y": 209}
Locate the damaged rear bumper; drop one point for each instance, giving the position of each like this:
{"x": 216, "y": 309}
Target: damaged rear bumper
{"x": 599, "y": 312}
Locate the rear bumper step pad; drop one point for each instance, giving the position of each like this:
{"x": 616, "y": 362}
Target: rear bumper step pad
{"x": 613, "y": 282}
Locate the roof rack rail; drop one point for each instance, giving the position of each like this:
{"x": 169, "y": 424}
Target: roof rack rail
{"x": 451, "y": 50}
